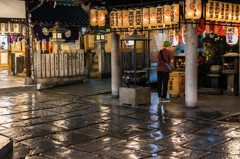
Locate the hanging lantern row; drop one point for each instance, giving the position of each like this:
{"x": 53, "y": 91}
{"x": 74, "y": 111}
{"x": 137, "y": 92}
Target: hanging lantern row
{"x": 222, "y": 12}
{"x": 97, "y": 17}
{"x": 10, "y": 27}
{"x": 147, "y": 18}
{"x": 193, "y": 9}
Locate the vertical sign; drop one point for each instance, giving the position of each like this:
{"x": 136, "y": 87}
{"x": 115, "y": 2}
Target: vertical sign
{"x": 48, "y": 66}
{"x": 65, "y": 61}
{"x": 70, "y": 64}
{"x": 56, "y": 65}
{"x": 52, "y": 65}
{"x": 73, "y": 65}
{"x": 43, "y": 66}
{"x": 61, "y": 68}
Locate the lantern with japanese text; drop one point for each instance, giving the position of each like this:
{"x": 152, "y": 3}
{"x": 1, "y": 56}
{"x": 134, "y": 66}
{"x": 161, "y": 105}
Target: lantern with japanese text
{"x": 236, "y": 13}
{"x": 232, "y": 11}
{"x": 138, "y": 19}
{"x": 145, "y": 14}
{"x": 175, "y": 14}
{"x": 210, "y": 11}
{"x": 125, "y": 19}
{"x": 228, "y": 12}
{"x": 216, "y": 11}
{"x": 119, "y": 19}
{"x": 221, "y": 12}
{"x": 131, "y": 18}
{"x": 113, "y": 19}
{"x": 173, "y": 38}
{"x": 93, "y": 17}
{"x": 101, "y": 18}
{"x": 159, "y": 17}
{"x": 153, "y": 20}
{"x": 232, "y": 35}
{"x": 189, "y": 9}
{"x": 198, "y": 10}
{"x": 167, "y": 15}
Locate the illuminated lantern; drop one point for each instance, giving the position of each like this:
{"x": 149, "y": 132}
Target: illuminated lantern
{"x": 131, "y": 18}
{"x": 173, "y": 38}
{"x": 232, "y": 11}
{"x": 232, "y": 35}
{"x": 236, "y": 13}
{"x": 159, "y": 17}
{"x": 216, "y": 10}
{"x": 189, "y": 9}
{"x": 153, "y": 19}
{"x": 183, "y": 34}
{"x": 167, "y": 15}
{"x": 138, "y": 19}
{"x": 125, "y": 19}
{"x": 210, "y": 10}
{"x": 145, "y": 13}
{"x": 198, "y": 10}
{"x": 93, "y": 17}
{"x": 101, "y": 18}
{"x": 227, "y": 12}
{"x": 112, "y": 19}
{"x": 119, "y": 19}
{"x": 174, "y": 14}
{"x": 221, "y": 12}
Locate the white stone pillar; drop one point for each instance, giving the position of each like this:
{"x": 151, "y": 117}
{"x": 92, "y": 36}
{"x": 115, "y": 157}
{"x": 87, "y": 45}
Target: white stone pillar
{"x": 100, "y": 51}
{"x": 191, "y": 66}
{"x": 115, "y": 64}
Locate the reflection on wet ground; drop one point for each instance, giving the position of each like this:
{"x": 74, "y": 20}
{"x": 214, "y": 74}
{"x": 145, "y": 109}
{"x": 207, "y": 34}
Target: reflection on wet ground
{"x": 50, "y": 124}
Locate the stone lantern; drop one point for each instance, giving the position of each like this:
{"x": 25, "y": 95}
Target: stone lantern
{"x": 57, "y": 40}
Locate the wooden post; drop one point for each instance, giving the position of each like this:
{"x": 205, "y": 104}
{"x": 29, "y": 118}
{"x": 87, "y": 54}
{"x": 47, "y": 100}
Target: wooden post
{"x": 9, "y": 59}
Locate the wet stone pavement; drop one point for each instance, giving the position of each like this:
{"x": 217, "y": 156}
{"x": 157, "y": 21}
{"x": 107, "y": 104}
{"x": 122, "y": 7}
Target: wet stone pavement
{"x": 65, "y": 124}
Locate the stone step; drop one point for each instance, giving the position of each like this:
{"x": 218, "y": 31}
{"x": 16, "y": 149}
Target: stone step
{"x": 6, "y": 146}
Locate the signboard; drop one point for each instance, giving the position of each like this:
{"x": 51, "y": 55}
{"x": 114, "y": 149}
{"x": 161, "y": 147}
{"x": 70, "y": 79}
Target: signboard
{"x": 12, "y": 9}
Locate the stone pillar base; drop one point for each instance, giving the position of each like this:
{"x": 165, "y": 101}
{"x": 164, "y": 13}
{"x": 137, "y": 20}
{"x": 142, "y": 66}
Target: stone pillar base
{"x": 29, "y": 81}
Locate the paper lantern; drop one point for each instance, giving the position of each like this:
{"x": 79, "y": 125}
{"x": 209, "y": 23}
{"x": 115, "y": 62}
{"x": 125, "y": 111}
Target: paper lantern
{"x": 232, "y": 35}
{"x": 131, "y": 18}
{"x": 113, "y": 19}
{"x": 210, "y": 10}
{"x": 189, "y": 9}
{"x": 125, "y": 19}
{"x": 198, "y": 10}
{"x": 101, "y": 18}
{"x": 145, "y": 14}
{"x": 216, "y": 11}
{"x": 232, "y": 11}
{"x": 119, "y": 19}
{"x": 138, "y": 19}
{"x": 93, "y": 17}
{"x": 221, "y": 12}
{"x": 174, "y": 14}
{"x": 173, "y": 38}
{"x": 167, "y": 15}
{"x": 228, "y": 12}
{"x": 153, "y": 19}
{"x": 159, "y": 17}
{"x": 236, "y": 13}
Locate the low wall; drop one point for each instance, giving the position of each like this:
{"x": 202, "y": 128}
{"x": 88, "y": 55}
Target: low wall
{"x": 56, "y": 69}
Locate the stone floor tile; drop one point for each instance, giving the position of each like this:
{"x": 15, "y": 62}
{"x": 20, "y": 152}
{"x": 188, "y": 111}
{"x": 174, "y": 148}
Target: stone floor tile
{"x": 96, "y": 144}
{"x": 58, "y": 102}
{"x": 95, "y": 133}
{"x": 184, "y": 153}
{"x": 147, "y": 147}
{"x": 221, "y": 156}
{"x": 205, "y": 143}
{"x": 219, "y": 130}
{"x": 70, "y": 137}
{"x": 230, "y": 147}
{"x": 121, "y": 153}
{"x": 63, "y": 153}
{"x": 155, "y": 156}
{"x": 35, "y": 157}
{"x": 235, "y": 133}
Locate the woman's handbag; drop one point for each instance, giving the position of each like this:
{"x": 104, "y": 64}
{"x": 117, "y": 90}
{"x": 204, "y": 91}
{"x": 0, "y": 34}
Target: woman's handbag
{"x": 170, "y": 69}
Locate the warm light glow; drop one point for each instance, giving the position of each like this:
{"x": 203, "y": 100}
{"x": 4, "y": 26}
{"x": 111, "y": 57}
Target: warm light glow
{"x": 189, "y": 9}
{"x": 216, "y": 11}
{"x": 125, "y": 19}
{"x": 198, "y": 9}
{"x": 167, "y": 15}
{"x": 221, "y": 12}
{"x": 145, "y": 14}
{"x": 101, "y": 18}
{"x": 138, "y": 18}
{"x": 153, "y": 20}
{"x": 175, "y": 14}
{"x": 173, "y": 38}
{"x": 236, "y": 13}
{"x": 131, "y": 17}
{"x": 112, "y": 19}
{"x": 184, "y": 34}
{"x": 119, "y": 19}
{"x": 231, "y": 15}
{"x": 93, "y": 17}
{"x": 59, "y": 35}
{"x": 160, "y": 17}
{"x": 232, "y": 35}
{"x": 227, "y": 12}
{"x": 210, "y": 10}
